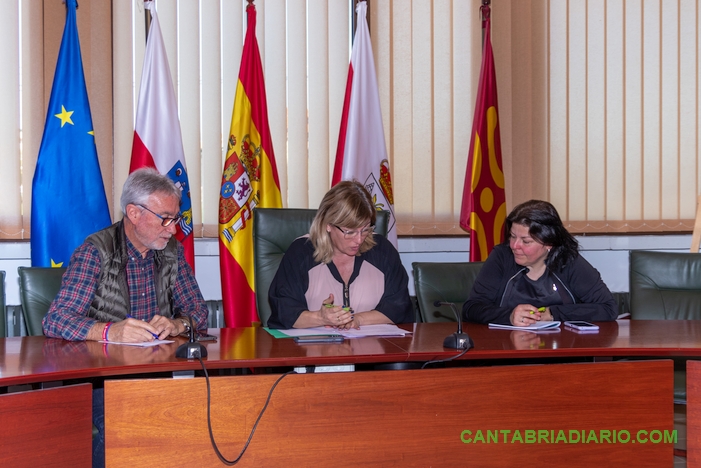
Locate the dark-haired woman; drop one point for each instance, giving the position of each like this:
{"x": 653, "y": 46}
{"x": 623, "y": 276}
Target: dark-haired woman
{"x": 538, "y": 274}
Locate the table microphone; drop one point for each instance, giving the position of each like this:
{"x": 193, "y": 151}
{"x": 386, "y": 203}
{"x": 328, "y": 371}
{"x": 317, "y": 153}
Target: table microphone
{"x": 192, "y": 349}
{"x": 457, "y": 340}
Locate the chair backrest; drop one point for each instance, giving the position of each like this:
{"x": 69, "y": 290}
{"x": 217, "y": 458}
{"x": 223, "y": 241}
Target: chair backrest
{"x": 37, "y": 286}
{"x": 665, "y": 285}
{"x": 445, "y": 282}
{"x": 274, "y": 229}
{"x": 696, "y": 233}
{"x": 3, "y": 315}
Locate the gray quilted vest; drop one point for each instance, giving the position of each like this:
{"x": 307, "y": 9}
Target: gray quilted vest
{"x": 111, "y": 302}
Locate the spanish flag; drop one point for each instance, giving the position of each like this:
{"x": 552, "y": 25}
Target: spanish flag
{"x": 249, "y": 180}
{"x": 483, "y": 200}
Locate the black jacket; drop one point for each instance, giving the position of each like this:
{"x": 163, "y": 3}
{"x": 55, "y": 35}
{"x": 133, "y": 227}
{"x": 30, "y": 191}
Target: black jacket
{"x": 585, "y": 295}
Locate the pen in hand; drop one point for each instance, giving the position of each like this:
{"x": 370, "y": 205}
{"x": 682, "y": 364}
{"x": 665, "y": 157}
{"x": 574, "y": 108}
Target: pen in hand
{"x": 153, "y": 334}
{"x": 347, "y": 309}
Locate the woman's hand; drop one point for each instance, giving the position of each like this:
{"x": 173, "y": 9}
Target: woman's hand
{"x": 334, "y": 316}
{"x": 524, "y": 315}
{"x": 354, "y": 322}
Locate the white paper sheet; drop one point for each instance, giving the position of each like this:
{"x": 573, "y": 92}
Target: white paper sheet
{"x": 364, "y": 330}
{"x": 144, "y": 344}
{"x": 534, "y": 327}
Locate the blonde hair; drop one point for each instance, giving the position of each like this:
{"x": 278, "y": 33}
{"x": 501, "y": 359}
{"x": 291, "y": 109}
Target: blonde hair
{"x": 347, "y": 204}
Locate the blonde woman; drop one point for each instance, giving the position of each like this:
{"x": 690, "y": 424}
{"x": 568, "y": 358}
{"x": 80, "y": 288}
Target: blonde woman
{"x": 341, "y": 275}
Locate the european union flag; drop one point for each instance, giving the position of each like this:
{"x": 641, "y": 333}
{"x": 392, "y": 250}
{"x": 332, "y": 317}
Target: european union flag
{"x": 68, "y": 199}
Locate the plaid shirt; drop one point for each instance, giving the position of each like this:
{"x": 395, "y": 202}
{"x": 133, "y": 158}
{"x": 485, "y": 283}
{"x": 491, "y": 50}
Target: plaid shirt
{"x": 67, "y": 318}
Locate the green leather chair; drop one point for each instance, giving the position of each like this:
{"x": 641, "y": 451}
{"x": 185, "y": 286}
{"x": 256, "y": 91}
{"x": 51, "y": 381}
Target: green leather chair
{"x": 666, "y": 286}
{"x": 274, "y": 229}
{"x": 37, "y": 287}
{"x": 445, "y": 282}
{"x": 3, "y": 315}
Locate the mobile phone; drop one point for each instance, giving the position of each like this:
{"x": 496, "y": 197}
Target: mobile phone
{"x": 581, "y": 325}
{"x": 319, "y": 339}
{"x": 199, "y": 336}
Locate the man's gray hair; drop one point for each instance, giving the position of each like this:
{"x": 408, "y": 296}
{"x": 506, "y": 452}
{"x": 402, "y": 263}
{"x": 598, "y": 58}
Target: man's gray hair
{"x": 144, "y": 182}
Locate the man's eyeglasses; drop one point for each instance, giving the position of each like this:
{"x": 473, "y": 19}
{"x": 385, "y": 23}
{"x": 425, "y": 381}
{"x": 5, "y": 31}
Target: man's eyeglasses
{"x": 351, "y": 234}
{"x": 165, "y": 222}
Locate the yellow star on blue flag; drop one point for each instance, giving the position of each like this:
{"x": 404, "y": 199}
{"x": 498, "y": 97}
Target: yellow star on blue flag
{"x": 65, "y": 116}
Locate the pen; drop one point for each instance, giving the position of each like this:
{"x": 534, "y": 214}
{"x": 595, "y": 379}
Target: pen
{"x": 347, "y": 309}
{"x": 154, "y": 335}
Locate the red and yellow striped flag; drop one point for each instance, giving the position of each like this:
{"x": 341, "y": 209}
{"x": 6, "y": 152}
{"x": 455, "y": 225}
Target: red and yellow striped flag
{"x": 249, "y": 180}
{"x": 483, "y": 200}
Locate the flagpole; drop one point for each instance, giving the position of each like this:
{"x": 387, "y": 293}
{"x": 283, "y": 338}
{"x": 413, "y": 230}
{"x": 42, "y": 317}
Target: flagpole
{"x": 251, "y": 3}
{"x": 147, "y": 18}
{"x": 354, "y": 18}
{"x": 485, "y": 11}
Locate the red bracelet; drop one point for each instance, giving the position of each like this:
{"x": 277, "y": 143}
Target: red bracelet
{"x": 105, "y": 331}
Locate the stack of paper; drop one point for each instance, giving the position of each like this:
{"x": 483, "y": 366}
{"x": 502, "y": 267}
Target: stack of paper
{"x": 532, "y": 327}
{"x": 365, "y": 330}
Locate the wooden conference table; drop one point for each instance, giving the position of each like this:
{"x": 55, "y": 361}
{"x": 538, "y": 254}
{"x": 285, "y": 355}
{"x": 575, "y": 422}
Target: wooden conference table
{"x": 578, "y": 413}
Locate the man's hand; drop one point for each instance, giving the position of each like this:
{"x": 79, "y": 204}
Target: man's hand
{"x": 167, "y": 327}
{"x": 132, "y": 331}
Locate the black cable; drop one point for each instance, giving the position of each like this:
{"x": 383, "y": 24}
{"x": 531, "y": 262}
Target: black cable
{"x": 446, "y": 360}
{"x": 253, "y": 430}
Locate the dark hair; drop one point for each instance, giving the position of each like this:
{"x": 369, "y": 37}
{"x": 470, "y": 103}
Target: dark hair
{"x": 347, "y": 204}
{"x": 545, "y": 226}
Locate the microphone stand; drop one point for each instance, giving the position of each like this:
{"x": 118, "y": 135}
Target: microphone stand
{"x": 192, "y": 349}
{"x": 457, "y": 340}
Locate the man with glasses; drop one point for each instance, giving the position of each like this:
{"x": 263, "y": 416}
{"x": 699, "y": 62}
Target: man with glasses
{"x": 341, "y": 275}
{"x": 130, "y": 282}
